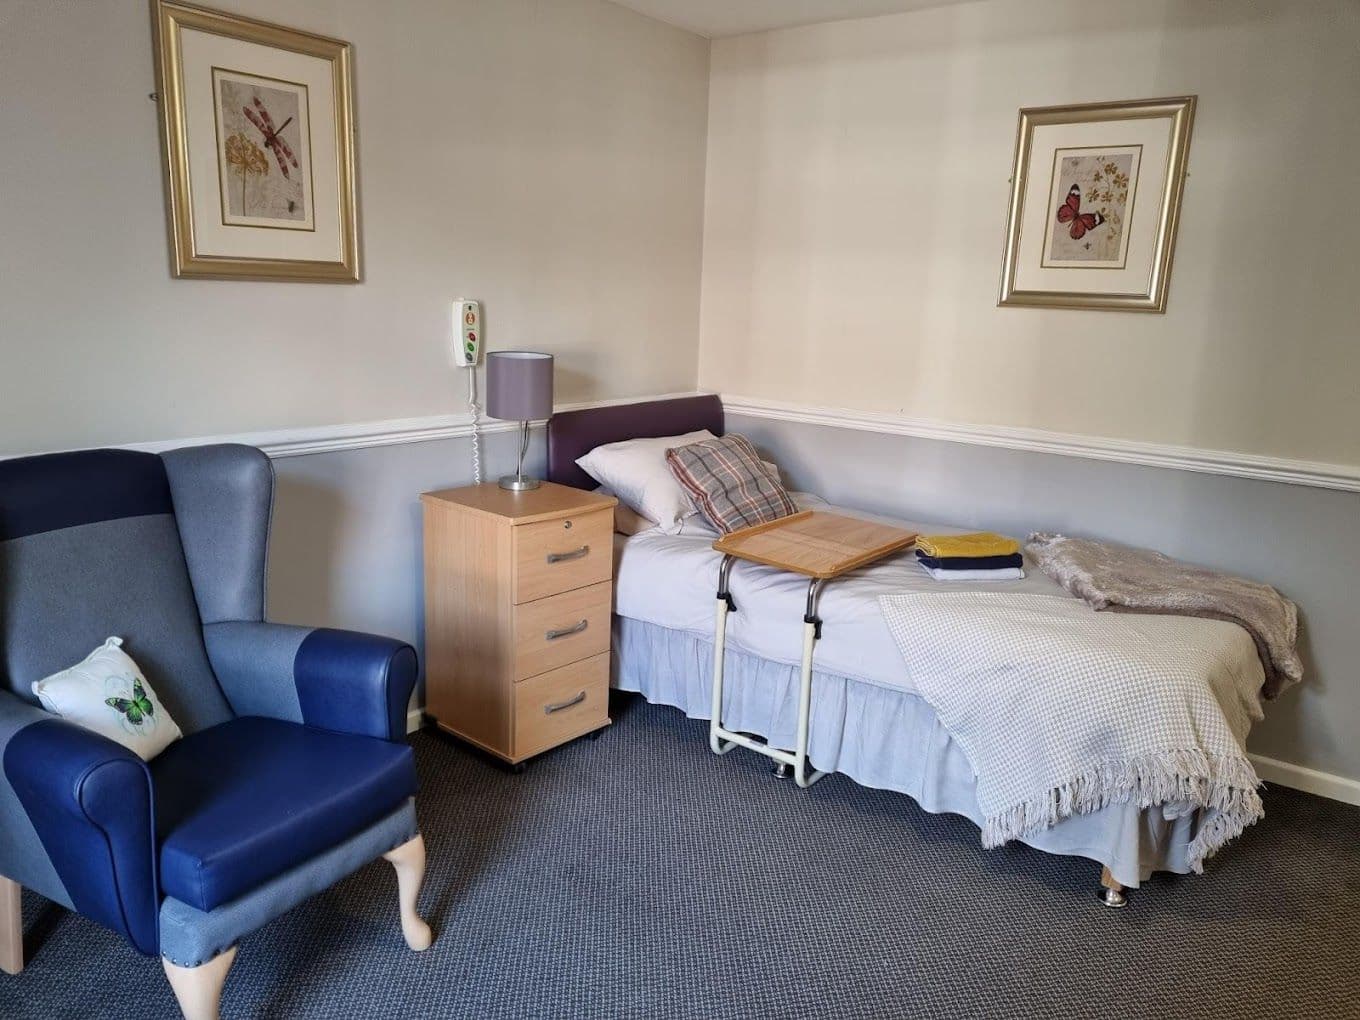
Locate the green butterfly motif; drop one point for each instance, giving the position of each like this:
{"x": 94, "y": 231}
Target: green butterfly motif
{"x": 136, "y": 708}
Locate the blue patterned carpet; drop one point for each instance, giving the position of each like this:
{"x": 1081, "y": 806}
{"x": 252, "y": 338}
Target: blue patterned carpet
{"x": 640, "y": 876}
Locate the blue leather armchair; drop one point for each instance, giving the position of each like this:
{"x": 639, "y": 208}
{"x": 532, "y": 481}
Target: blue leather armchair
{"x": 293, "y": 771}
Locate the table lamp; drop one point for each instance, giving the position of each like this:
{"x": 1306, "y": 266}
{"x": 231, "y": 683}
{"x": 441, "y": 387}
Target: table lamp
{"x": 519, "y": 387}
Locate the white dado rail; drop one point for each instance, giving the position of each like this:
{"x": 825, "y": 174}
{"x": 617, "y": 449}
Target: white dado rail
{"x": 1345, "y": 477}
{"x": 302, "y": 442}
{"x": 310, "y": 440}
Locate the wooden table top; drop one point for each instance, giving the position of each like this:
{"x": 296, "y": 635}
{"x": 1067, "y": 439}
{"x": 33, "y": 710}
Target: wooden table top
{"x": 816, "y": 544}
{"x": 548, "y": 501}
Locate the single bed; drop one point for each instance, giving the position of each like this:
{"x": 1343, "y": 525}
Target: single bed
{"x": 867, "y": 721}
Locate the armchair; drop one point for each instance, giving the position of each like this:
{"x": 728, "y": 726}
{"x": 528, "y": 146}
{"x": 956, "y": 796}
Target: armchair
{"x": 293, "y": 770}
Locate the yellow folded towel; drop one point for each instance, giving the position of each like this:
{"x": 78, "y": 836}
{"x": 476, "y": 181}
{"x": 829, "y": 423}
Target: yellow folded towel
{"x": 979, "y": 543}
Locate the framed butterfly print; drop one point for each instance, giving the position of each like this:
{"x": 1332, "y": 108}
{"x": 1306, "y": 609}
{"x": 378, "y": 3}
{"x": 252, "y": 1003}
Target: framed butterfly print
{"x": 258, "y": 140}
{"x": 1095, "y": 199}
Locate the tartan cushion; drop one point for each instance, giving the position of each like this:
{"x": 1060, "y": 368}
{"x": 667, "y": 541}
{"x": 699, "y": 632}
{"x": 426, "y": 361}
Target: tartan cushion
{"x": 729, "y": 484}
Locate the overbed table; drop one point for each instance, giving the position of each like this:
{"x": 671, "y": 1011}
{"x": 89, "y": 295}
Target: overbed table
{"x": 820, "y": 546}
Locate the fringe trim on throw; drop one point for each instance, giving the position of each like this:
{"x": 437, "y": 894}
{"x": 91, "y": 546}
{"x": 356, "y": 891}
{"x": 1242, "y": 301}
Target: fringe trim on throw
{"x": 1225, "y": 787}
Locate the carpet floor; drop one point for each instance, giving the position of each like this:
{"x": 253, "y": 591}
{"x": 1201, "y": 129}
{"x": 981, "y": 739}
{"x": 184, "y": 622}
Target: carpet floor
{"x": 640, "y": 876}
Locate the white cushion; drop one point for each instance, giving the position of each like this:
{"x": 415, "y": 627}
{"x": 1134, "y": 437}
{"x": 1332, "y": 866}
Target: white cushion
{"x": 635, "y": 470}
{"x": 108, "y": 694}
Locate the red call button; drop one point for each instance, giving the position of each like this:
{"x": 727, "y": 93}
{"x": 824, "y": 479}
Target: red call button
{"x": 472, "y": 337}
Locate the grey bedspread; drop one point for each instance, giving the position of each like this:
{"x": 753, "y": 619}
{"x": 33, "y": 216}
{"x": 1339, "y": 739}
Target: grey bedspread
{"x": 1124, "y": 579}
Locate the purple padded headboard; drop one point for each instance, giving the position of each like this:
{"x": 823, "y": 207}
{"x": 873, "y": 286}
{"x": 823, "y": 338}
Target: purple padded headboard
{"x": 573, "y": 434}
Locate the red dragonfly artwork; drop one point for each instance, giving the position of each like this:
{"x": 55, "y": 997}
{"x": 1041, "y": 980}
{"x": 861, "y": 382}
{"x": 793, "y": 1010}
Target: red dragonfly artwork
{"x": 1070, "y": 212}
{"x": 273, "y": 139}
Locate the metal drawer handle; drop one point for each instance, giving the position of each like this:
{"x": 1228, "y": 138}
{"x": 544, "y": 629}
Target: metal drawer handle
{"x": 575, "y": 554}
{"x": 553, "y": 635}
{"x": 550, "y": 709}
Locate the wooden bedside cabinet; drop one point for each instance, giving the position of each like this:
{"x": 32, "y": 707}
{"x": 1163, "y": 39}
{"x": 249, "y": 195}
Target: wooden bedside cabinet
{"x": 518, "y": 592}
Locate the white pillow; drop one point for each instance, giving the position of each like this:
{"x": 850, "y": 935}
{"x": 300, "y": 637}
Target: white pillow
{"x": 635, "y": 470}
{"x": 108, "y": 694}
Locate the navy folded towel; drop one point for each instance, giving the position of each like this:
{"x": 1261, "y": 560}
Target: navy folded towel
{"x": 971, "y": 562}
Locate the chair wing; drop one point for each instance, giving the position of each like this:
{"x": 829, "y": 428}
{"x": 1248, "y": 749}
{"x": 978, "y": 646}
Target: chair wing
{"x": 223, "y": 496}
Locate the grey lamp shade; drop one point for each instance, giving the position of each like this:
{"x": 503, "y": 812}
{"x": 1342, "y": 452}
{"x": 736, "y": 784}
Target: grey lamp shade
{"x": 519, "y": 385}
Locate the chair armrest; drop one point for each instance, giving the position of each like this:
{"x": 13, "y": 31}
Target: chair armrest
{"x": 355, "y": 683}
{"x": 332, "y": 679}
{"x": 90, "y": 801}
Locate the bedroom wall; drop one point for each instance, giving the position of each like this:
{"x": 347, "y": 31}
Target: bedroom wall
{"x": 857, "y": 193}
{"x": 545, "y": 157}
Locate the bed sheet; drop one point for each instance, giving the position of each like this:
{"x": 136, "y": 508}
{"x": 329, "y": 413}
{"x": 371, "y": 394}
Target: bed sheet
{"x": 671, "y": 581}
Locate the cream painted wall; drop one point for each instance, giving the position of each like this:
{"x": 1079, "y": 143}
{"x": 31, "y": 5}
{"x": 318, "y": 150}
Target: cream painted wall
{"x": 857, "y": 188}
{"x": 545, "y": 156}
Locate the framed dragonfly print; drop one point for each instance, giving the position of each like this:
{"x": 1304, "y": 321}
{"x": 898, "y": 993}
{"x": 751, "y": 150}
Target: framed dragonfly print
{"x": 257, "y": 128}
{"x": 1095, "y": 198}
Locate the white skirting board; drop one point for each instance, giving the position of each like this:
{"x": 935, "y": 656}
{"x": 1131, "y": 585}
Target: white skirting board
{"x": 1296, "y": 777}
{"x": 1281, "y": 773}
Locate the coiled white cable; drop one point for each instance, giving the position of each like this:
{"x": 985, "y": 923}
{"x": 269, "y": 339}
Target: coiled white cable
{"x": 475, "y": 413}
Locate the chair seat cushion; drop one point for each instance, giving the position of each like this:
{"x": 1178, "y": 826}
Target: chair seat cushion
{"x": 246, "y": 800}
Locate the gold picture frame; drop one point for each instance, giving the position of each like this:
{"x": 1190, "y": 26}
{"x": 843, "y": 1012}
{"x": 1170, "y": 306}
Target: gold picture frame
{"x": 217, "y": 75}
{"x": 1106, "y": 240}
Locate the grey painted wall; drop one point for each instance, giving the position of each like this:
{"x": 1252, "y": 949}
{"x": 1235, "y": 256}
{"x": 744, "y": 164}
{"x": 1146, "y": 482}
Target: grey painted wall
{"x": 1304, "y": 541}
{"x": 346, "y": 548}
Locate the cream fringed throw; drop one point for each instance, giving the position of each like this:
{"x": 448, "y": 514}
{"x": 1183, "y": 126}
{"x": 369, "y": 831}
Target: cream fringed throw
{"x": 1063, "y": 711}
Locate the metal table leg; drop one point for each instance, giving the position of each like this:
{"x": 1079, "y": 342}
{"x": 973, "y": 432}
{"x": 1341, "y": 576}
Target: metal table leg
{"x": 721, "y": 740}
{"x": 725, "y": 606}
{"x": 812, "y": 631}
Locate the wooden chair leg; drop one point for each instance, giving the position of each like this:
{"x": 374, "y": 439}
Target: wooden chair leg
{"x": 199, "y": 989}
{"x": 409, "y": 860}
{"x": 11, "y": 927}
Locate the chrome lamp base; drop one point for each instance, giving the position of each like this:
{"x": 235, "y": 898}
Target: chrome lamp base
{"x": 519, "y": 482}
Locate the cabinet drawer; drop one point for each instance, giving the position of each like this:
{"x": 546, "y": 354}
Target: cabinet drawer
{"x": 562, "y": 554}
{"x": 554, "y": 707}
{"x": 561, "y": 628}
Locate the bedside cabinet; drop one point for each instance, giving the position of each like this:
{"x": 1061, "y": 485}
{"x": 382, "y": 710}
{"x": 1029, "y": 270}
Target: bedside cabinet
{"x": 518, "y": 594}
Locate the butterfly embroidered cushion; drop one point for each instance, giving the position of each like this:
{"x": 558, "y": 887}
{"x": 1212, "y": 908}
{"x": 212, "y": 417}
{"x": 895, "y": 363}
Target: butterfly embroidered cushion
{"x": 107, "y": 693}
